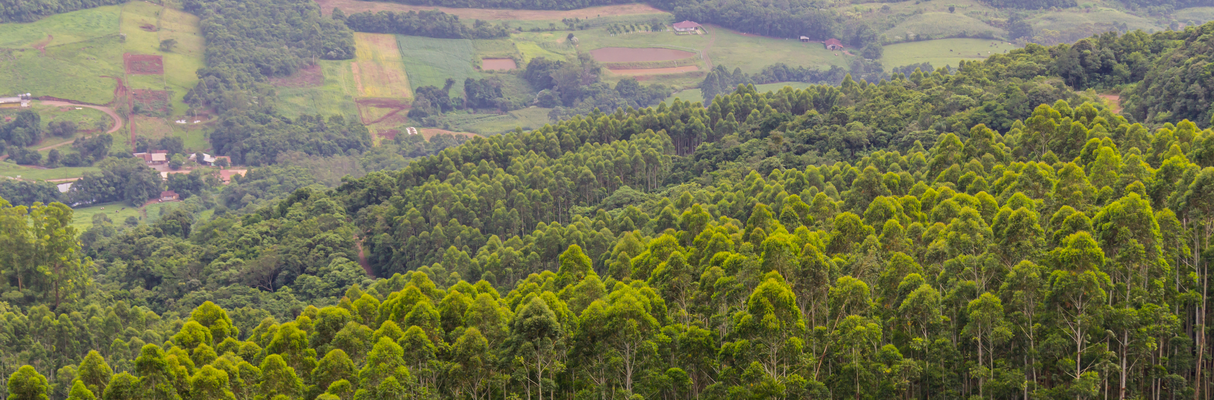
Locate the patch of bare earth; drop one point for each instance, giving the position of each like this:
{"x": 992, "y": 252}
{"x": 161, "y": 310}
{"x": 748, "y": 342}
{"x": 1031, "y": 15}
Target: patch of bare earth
{"x": 1114, "y": 101}
{"x": 306, "y": 77}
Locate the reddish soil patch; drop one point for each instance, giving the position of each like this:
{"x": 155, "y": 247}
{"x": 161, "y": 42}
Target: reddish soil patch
{"x": 654, "y": 71}
{"x": 151, "y": 99}
{"x": 357, "y": 6}
{"x": 148, "y": 27}
{"x": 498, "y": 64}
{"x": 389, "y": 134}
{"x": 397, "y": 115}
{"x": 643, "y": 54}
{"x": 307, "y": 77}
{"x": 41, "y": 46}
{"x": 143, "y": 64}
{"x": 1114, "y": 100}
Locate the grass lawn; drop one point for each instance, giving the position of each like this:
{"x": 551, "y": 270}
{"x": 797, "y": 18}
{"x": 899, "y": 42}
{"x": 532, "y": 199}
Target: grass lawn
{"x": 12, "y": 170}
{"x": 430, "y": 62}
{"x": 335, "y": 96}
{"x": 117, "y": 212}
{"x": 66, "y": 28}
{"x": 941, "y": 52}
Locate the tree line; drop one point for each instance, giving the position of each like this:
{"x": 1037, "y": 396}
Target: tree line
{"x": 428, "y": 23}
{"x": 994, "y": 264}
{"x": 30, "y": 11}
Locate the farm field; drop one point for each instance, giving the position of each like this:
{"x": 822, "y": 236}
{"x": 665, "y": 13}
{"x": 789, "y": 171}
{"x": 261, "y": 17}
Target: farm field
{"x": 941, "y": 24}
{"x": 355, "y": 6}
{"x": 145, "y": 25}
{"x": 378, "y": 70}
{"x": 721, "y": 47}
{"x": 333, "y": 95}
{"x": 430, "y": 62}
{"x": 695, "y": 95}
{"x": 66, "y": 28}
{"x": 942, "y": 52}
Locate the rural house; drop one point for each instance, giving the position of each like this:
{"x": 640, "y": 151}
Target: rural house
{"x": 169, "y": 195}
{"x": 686, "y": 26}
{"x": 155, "y": 158}
{"x": 804, "y": 39}
{"x": 833, "y": 44}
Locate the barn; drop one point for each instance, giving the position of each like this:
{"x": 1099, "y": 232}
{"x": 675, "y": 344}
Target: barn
{"x": 833, "y": 44}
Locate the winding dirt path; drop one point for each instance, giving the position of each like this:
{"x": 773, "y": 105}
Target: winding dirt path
{"x": 108, "y": 111}
{"x": 362, "y": 258}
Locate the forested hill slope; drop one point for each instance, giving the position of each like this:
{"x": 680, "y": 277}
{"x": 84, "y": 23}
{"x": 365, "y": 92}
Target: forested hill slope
{"x": 988, "y": 233}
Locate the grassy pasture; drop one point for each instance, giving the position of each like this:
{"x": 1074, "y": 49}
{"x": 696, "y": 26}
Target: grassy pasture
{"x": 333, "y": 97}
{"x": 11, "y": 170}
{"x": 66, "y": 28}
{"x": 937, "y": 52}
{"x": 489, "y": 124}
{"x": 180, "y": 64}
{"x": 494, "y": 48}
{"x": 429, "y": 61}
{"x": 117, "y": 212}
{"x": 941, "y": 24}
{"x": 71, "y": 71}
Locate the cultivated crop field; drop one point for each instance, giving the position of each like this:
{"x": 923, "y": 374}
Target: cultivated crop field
{"x": 334, "y": 95}
{"x": 943, "y": 52}
{"x": 355, "y": 6}
{"x": 378, "y": 70}
{"x": 430, "y": 62}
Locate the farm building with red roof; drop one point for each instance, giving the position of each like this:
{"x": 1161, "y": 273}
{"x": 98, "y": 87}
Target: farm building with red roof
{"x": 833, "y": 44}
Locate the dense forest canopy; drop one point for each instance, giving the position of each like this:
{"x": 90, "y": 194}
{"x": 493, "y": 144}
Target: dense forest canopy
{"x": 987, "y": 232}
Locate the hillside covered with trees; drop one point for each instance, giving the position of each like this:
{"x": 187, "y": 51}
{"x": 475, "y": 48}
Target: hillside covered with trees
{"x": 992, "y": 231}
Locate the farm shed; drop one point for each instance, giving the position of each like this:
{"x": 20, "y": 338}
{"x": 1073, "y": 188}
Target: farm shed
{"x": 833, "y": 44}
{"x": 686, "y": 26}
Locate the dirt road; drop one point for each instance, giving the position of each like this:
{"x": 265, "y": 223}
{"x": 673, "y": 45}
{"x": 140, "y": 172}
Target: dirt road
{"x": 108, "y": 111}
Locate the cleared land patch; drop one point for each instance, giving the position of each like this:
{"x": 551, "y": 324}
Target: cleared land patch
{"x": 378, "y": 69}
{"x": 941, "y": 24}
{"x": 498, "y": 64}
{"x": 627, "y": 54}
{"x": 143, "y": 64}
{"x": 943, "y": 52}
{"x": 430, "y": 62}
{"x": 355, "y": 6}
{"x": 305, "y": 77}
{"x": 653, "y": 71}
{"x": 158, "y": 100}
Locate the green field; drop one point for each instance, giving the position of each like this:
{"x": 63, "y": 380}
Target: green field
{"x": 494, "y": 48}
{"x": 941, "y": 25}
{"x": 66, "y": 28}
{"x": 11, "y": 170}
{"x": 489, "y": 124}
{"x": 82, "y": 218}
{"x": 334, "y": 97}
{"x": 72, "y": 71}
{"x": 180, "y": 64}
{"x": 430, "y": 62}
{"x": 942, "y": 52}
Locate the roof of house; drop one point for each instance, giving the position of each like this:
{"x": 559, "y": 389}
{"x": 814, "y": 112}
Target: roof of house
{"x": 833, "y": 42}
{"x": 10, "y": 99}
{"x": 686, "y": 25}
{"x": 159, "y": 156}
{"x": 168, "y": 193}
{"x": 804, "y": 37}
